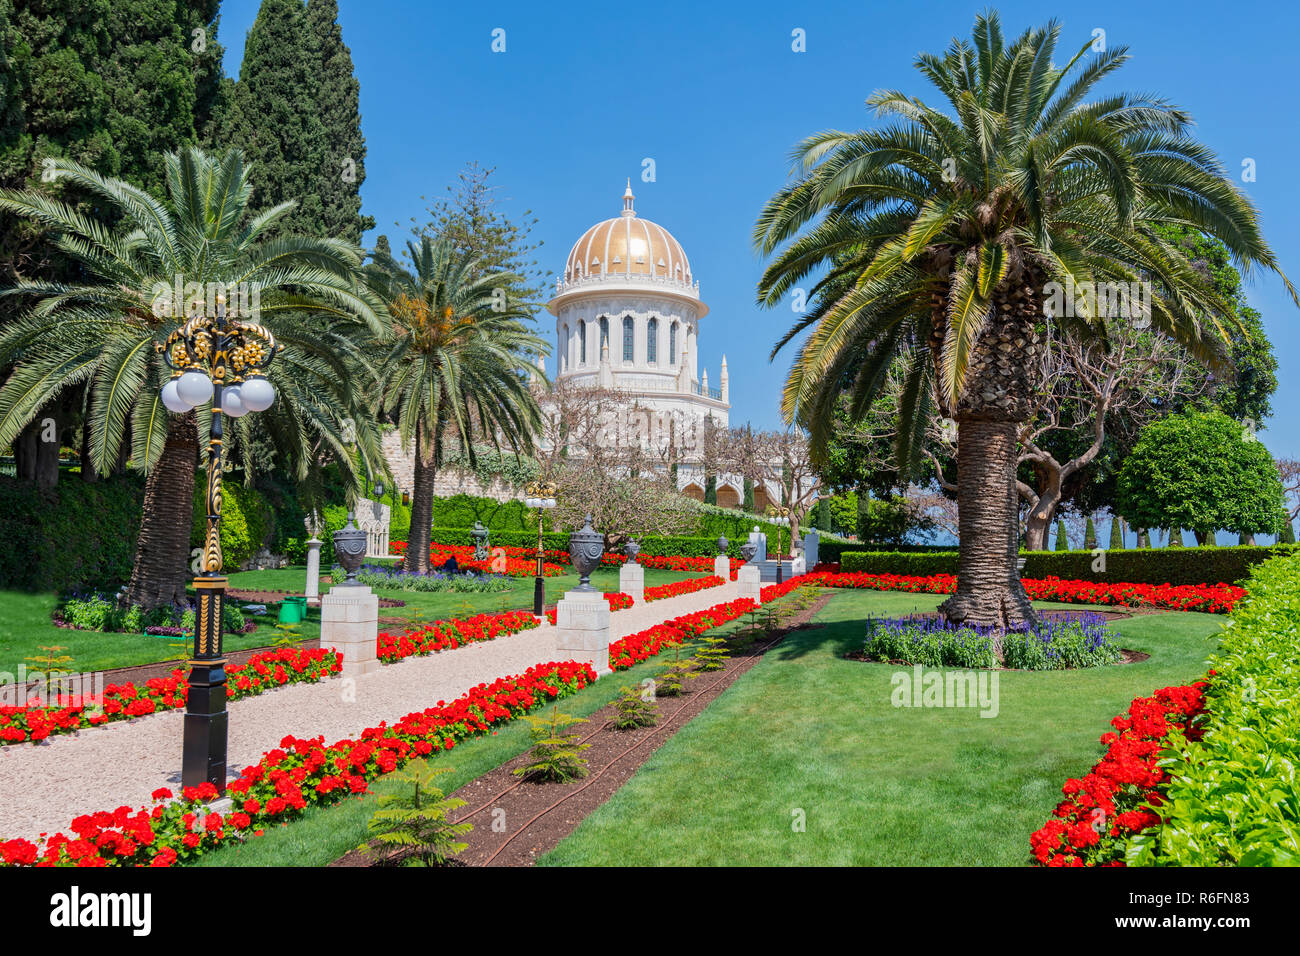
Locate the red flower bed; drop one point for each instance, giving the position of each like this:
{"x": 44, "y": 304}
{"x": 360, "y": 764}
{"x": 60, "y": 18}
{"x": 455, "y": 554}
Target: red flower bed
{"x": 519, "y": 562}
{"x": 288, "y": 779}
{"x": 1211, "y": 598}
{"x": 646, "y": 644}
{"x": 445, "y": 635}
{"x": 617, "y": 601}
{"x": 677, "y": 588}
{"x": 290, "y": 665}
{"x": 1114, "y": 800}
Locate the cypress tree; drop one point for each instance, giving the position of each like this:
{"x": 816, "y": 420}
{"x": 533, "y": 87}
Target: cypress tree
{"x": 1288, "y": 534}
{"x": 1062, "y": 540}
{"x": 1089, "y": 536}
{"x": 710, "y": 489}
{"x": 748, "y": 503}
{"x": 1116, "y": 534}
{"x": 342, "y": 167}
{"x": 274, "y": 115}
{"x": 112, "y": 84}
{"x": 1175, "y": 538}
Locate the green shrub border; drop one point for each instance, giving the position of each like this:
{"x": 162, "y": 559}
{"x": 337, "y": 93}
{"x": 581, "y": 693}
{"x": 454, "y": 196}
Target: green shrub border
{"x": 1227, "y": 801}
{"x": 1206, "y": 565}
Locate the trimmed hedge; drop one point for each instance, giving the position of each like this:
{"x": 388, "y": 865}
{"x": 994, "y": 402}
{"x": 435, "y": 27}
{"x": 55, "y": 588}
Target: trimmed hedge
{"x": 689, "y": 546}
{"x": 74, "y": 536}
{"x": 1206, "y": 565}
{"x": 246, "y": 520}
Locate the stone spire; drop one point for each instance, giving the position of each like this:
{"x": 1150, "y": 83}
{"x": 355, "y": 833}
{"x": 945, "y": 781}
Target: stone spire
{"x": 627, "y": 201}
{"x": 722, "y": 381}
{"x": 606, "y": 371}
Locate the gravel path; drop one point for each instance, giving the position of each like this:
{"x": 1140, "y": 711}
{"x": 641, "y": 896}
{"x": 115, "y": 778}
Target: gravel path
{"x": 43, "y": 786}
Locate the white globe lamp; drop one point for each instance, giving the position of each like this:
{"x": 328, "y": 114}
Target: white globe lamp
{"x": 171, "y": 397}
{"x": 232, "y": 403}
{"x": 194, "y": 388}
{"x": 256, "y": 394}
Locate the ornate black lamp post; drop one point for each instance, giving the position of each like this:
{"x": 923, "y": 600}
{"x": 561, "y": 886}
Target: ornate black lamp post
{"x": 215, "y": 359}
{"x": 541, "y": 495}
{"x": 779, "y": 516}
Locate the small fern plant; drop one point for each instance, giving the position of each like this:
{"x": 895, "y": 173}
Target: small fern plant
{"x": 671, "y": 681}
{"x": 556, "y": 756}
{"x": 287, "y": 635}
{"x": 712, "y": 655}
{"x": 636, "y": 708}
{"x": 413, "y": 822}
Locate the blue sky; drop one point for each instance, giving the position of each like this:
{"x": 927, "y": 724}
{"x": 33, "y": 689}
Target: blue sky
{"x": 715, "y": 96}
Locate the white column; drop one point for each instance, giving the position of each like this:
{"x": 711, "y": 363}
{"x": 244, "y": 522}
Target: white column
{"x": 349, "y": 623}
{"x": 631, "y": 580}
{"x": 313, "y": 570}
{"x": 582, "y": 629}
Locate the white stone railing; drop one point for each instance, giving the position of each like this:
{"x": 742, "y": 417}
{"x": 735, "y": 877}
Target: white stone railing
{"x": 622, "y": 278}
{"x": 375, "y": 519}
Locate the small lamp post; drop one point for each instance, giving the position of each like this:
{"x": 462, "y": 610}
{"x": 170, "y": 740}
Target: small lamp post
{"x": 541, "y": 495}
{"x": 213, "y": 359}
{"x": 779, "y": 516}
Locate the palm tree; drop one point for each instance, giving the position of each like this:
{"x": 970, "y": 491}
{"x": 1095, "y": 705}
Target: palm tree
{"x": 940, "y": 237}
{"x": 458, "y": 369}
{"x": 103, "y": 331}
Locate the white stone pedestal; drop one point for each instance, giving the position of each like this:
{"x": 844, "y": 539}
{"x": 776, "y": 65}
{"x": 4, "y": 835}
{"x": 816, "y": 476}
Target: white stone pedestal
{"x": 349, "y": 622}
{"x": 750, "y": 580}
{"x": 722, "y": 567}
{"x": 313, "y": 571}
{"x": 798, "y": 566}
{"x": 631, "y": 580}
{"x": 582, "y": 629}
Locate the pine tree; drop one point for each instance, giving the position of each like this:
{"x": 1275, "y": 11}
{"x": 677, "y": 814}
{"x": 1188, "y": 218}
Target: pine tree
{"x": 275, "y": 117}
{"x": 1116, "y": 534}
{"x": 1062, "y": 540}
{"x": 342, "y": 165}
{"x": 472, "y": 219}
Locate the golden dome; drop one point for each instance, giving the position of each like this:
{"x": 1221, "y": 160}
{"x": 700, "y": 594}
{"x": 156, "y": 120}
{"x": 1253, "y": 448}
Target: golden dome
{"x": 627, "y": 245}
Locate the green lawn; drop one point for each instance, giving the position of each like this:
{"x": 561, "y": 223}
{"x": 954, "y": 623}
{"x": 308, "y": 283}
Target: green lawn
{"x": 25, "y": 624}
{"x": 807, "y": 733}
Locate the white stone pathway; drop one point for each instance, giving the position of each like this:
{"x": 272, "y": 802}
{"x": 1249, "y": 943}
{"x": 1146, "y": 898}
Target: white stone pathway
{"x": 43, "y": 786}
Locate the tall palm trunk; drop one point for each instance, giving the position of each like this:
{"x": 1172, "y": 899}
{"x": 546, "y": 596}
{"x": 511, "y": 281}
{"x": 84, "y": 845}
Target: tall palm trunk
{"x": 163, "y": 547}
{"x": 988, "y": 584}
{"x": 993, "y": 403}
{"x": 417, "y": 545}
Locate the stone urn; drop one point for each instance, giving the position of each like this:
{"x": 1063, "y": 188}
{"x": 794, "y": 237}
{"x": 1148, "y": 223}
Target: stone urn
{"x": 722, "y": 544}
{"x": 631, "y": 549}
{"x": 350, "y": 550}
{"x": 585, "y": 548}
{"x": 748, "y": 550}
{"x": 479, "y": 535}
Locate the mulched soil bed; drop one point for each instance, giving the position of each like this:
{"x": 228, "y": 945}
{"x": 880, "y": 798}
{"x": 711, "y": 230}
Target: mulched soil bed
{"x": 537, "y": 816}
